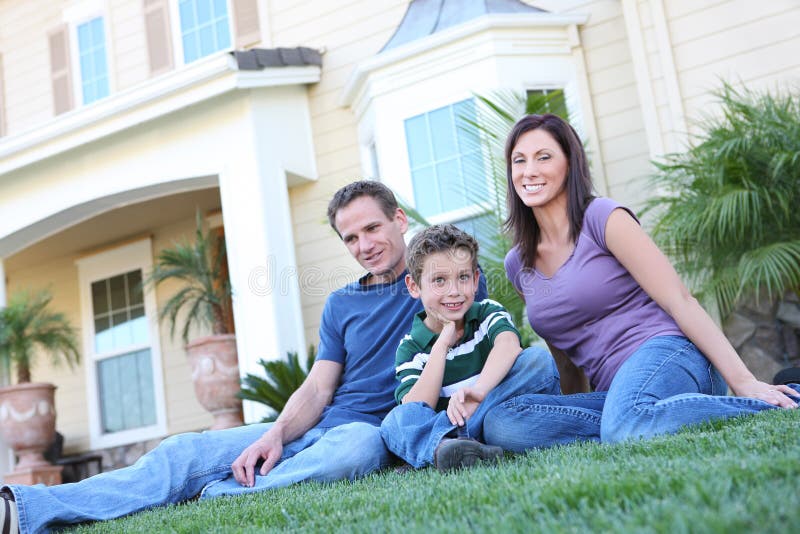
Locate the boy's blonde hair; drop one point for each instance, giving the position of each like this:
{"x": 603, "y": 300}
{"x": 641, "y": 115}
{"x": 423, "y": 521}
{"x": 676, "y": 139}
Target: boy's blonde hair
{"x": 438, "y": 238}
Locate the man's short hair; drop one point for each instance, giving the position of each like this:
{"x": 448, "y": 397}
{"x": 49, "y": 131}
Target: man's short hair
{"x": 438, "y": 238}
{"x": 370, "y": 188}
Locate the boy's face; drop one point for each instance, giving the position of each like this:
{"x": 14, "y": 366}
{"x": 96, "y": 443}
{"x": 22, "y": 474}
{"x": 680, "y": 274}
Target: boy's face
{"x": 447, "y": 287}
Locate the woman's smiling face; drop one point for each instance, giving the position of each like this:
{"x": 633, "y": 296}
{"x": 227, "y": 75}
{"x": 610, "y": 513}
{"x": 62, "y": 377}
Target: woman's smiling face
{"x": 538, "y": 168}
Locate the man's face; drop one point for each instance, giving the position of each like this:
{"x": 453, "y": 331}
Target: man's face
{"x": 374, "y": 240}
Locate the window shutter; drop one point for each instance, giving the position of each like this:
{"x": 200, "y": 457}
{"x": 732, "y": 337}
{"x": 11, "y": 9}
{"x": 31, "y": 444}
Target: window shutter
{"x": 159, "y": 42}
{"x": 60, "y": 69}
{"x": 245, "y": 19}
{"x": 2, "y": 102}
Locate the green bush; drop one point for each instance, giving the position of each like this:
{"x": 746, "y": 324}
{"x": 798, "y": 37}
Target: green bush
{"x": 281, "y": 379}
{"x": 728, "y": 211}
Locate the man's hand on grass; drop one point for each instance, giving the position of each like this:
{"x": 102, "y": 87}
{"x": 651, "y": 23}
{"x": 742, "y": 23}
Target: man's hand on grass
{"x": 268, "y": 447}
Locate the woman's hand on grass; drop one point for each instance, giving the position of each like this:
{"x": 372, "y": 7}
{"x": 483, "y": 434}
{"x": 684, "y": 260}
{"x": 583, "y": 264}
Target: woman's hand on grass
{"x": 268, "y": 447}
{"x": 777, "y": 395}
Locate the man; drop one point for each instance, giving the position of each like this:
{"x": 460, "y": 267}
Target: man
{"x": 329, "y": 429}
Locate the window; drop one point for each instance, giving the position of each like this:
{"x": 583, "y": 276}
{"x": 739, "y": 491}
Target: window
{"x": 204, "y": 27}
{"x": 92, "y": 60}
{"x": 548, "y": 101}
{"x": 445, "y": 160}
{"x": 122, "y": 353}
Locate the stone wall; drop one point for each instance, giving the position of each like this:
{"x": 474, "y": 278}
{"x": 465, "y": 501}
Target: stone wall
{"x": 766, "y": 334}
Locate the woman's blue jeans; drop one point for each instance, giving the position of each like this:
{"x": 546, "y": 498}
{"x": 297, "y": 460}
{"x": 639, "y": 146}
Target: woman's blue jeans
{"x": 665, "y": 385}
{"x": 412, "y": 431}
{"x": 184, "y": 465}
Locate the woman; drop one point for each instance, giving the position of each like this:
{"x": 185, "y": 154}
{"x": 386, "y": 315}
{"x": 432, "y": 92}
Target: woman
{"x": 606, "y": 299}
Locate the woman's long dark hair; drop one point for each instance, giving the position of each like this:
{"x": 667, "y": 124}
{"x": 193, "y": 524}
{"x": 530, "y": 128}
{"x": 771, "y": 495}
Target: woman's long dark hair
{"x": 521, "y": 222}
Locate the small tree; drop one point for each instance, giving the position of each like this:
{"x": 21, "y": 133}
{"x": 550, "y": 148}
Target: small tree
{"x": 281, "y": 379}
{"x": 729, "y": 208}
{"x": 28, "y": 327}
{"x": 201, "y": 266}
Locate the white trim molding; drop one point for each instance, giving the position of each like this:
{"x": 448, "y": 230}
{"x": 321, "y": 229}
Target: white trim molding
{"x": 493, "y": 52}
{"x": 644, "y": 82}
{"x": 357, "y": 84}
{"x": 196, "y": 82}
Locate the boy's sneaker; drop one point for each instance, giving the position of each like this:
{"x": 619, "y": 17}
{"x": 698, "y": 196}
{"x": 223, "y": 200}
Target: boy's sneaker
{"x": 9, "y": 521}
{"x": 457, "y": 453}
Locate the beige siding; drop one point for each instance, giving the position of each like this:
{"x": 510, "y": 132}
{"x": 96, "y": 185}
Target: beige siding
{"x": 612, "y": 83}
{"x": 24, "y": 28}
{"x": 350, "y": 32}
{"x": 126, "y": 21}
{"x": 734, "y": 42}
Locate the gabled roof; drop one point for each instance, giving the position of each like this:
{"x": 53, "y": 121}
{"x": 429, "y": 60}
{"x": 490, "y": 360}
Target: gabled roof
{"x": 260, "y": 58}
{"x": 426, "y": 17}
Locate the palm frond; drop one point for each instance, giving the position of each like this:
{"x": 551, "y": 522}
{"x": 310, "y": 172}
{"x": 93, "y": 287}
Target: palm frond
{"x": 27, "y": 327}
{"x": 281, "y": 379}
{"x": 202, "y": 301}
{"x": 729, "y": 214}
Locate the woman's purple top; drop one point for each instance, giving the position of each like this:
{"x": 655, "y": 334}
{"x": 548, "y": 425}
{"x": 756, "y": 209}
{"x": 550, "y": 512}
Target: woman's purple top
{"x": 591, "y": 308}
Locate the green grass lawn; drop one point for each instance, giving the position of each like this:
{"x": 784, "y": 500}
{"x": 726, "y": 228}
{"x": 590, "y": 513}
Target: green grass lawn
{"x": 736, "y": 476}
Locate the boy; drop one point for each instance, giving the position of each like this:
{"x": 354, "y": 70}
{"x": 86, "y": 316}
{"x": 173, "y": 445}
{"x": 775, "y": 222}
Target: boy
{"x": 457, "y": 352}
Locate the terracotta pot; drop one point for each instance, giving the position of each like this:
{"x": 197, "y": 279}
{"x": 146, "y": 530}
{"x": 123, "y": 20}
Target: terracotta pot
{"x": 28, "y": 421}
{"x": 215, "y": 373}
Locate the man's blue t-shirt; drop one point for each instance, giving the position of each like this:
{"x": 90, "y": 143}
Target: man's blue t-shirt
{"x": 362, "y": 326}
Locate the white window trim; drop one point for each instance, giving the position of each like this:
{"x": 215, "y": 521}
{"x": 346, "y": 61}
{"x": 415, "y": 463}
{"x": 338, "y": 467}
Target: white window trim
{"x": 401, "y": 182}
{"x": 74, "y": 17}
{"x": 136, "y": 255}
{"x": 177, "y": 40}
{"x": 458, "y": 214}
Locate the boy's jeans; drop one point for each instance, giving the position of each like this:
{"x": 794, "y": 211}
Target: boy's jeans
{"x": 665, "y": 385}
{"x": 413, "y": 431}
{"x": 183, "y": 465}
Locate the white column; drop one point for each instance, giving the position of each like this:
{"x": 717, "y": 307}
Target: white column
{"x": 644, "y": 82}
{"x": 6, "y": 456}
{"x": 260, "y": 245}
{"x": 677, "y": 138}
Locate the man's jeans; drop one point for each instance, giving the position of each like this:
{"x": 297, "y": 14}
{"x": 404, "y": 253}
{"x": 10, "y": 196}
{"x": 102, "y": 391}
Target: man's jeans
{"x": 665, "y": 385}
{"x": 412, "y": 431}
{"x": 183, "y": 465}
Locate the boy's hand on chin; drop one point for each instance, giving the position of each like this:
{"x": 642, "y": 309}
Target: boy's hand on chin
{"x": 449, "y": 334}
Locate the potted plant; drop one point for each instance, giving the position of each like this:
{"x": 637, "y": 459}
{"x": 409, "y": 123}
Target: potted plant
{"x": 27, "y": 409}
{"x": 204, "y": 302}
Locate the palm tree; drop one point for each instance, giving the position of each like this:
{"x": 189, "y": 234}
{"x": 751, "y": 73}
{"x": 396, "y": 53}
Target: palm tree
{"x": 283, "y": 377}
{"x": 205, "y": 296}
{"x": 729, "y": 208}
{"x": 28, "y": 327}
